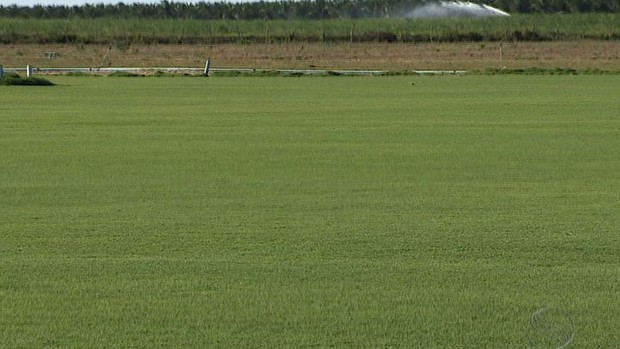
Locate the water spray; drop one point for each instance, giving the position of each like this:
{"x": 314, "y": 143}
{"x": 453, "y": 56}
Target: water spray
{"x": 455, "y": 9}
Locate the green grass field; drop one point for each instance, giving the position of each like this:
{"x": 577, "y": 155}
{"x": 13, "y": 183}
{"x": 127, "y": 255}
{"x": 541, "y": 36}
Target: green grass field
{"x": 326, "y": 212}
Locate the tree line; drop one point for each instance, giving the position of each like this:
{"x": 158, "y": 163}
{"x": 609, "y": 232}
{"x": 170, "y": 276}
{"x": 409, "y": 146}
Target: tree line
{"x": 287, "y": 9}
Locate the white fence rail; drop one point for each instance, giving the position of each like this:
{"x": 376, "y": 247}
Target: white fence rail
{"x": 29, "y": 70}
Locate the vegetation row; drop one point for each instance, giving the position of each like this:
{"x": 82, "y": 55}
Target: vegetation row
{"x": 124, "y": 32}
{"x": 289, "y": 9}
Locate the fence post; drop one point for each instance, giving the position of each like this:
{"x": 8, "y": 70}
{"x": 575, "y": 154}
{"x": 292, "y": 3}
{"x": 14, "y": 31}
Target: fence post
{"x": 501, "y": 55}
{"x": 28, "y": 70}
{"x": 207, "y": 67}
{"x": 1, "y": 71}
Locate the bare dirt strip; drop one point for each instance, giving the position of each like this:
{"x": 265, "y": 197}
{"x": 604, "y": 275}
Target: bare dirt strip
{"x": 604, "y": 55}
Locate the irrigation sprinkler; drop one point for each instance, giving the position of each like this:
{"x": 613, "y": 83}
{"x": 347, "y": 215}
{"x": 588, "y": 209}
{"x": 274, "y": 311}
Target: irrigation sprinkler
{"x": 551, "y": 328}
{"x": 105, "y": 56}
{"x": 454, "y": 9}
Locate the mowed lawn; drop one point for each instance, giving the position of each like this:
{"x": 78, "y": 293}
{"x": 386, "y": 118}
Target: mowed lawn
{"x": 331, "y": 212}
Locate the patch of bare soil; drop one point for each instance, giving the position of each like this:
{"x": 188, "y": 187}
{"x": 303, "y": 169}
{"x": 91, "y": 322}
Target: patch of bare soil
{"x": 604, "y": 55}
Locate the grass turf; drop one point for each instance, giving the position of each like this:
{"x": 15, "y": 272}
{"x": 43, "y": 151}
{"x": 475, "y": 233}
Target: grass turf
{"x": 315, "y": 212}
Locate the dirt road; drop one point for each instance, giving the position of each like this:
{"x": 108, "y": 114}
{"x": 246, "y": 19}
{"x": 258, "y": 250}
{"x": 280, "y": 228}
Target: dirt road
{"x": 603, "y": 55}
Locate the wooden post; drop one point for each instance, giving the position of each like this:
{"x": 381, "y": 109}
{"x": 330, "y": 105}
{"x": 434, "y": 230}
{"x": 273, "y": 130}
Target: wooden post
{"x": 501, "y": 55}
{"x": 207, "y": 67}
{"x": 351, "y": 35}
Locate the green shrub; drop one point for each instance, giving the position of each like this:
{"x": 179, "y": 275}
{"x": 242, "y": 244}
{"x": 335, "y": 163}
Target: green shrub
{"x": 14, "y": 79}
{"x": 123, "y": 74}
